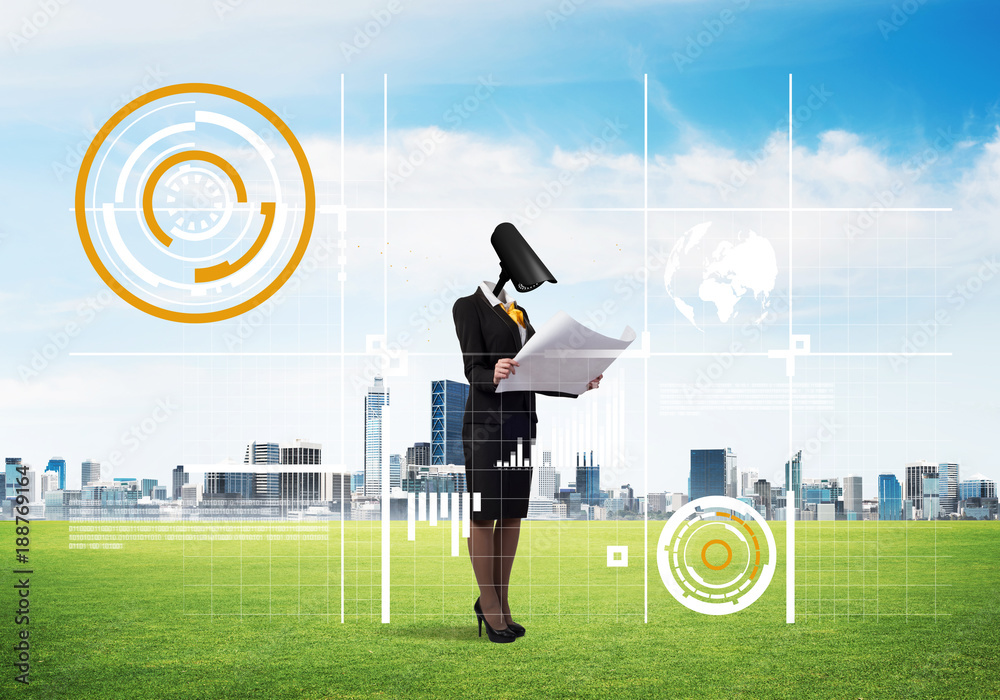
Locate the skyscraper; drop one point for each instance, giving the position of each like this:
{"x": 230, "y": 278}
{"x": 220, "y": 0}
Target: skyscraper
{"x": 376, "y": 399}
{"x": 747, "y": 481}
{"x": 33, "y": 493}
{"x": 793, "y": 481}
{"x": 762, "y": 489}
{"x": 395, "y": 469}
{"x": 147, "y": 485}
{"x": 301, "y": 452}
{"x": 890, "y": 497}
{"x": 948, "y": 484}
{"x": 419, "y": 455}
{"x": 49, "y": 482}
{"x": 709, "y": 471}
{"x": 58, "y": 465}
{"x": 191, "y": 494}
{"x": 657, "y": 502}
{"x": 588, "y": 481}
{"x": 91, "y": 471}
{"x": 447, "y": 409}
{"x": 852, "y": 497}
{"x": 627, "y": 496}
{"x": 10, "y": 477}
{"x": 179, "y": 479}
{"x": 545, "y": 476}
{"x": 931, "y": 496}
{"x": 262, "y": 453}
{"x": 977, "y": 486}
{"x": 732, "y": 475}
{"x": 228, "y": 484}
{"x": 913, "y": 489}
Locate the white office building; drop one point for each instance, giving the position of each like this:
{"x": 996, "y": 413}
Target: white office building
{"x": 91, "y": 472}
{"x": 191, "y": 494}
{"x": 376, "y": 400}
{"x": 853, "y": 502}
{"x": 49, "y": 481}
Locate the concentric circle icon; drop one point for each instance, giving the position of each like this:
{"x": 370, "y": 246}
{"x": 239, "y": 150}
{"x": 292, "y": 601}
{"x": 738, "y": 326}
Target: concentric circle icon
{"x": 195, "y": 203}
{"x": 716, "y": 555}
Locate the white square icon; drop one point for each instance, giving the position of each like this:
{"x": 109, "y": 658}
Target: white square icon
{"x": 617, "y": 556}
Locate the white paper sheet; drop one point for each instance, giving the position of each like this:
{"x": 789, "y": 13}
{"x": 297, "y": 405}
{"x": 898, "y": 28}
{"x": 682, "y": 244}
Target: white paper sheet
{"x": 564, "y": 355}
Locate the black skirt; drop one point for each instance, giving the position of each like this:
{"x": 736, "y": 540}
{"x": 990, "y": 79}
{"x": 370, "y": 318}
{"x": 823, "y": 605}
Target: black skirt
{"x": 504, "y": 491}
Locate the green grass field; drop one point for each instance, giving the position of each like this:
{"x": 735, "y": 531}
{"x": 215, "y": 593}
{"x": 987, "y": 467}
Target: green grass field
{"x": 885, "y": 610}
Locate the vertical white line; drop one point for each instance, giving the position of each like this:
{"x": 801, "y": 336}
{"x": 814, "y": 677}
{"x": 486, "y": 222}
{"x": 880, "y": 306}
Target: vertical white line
{"x": 384, "y": 475}
{"x": 343, "y": 196}
{"x": 385, "y": 205}
{"x": 455, "y": 514}
{"x": 466, "y": 513}
{"x": 411, "y": 525}
{"x": 790, "y": 511}
{"x": 645, "y": 359}
{"x": 421, "y": 506}
{"x": 386, "y": 507}
{"x": 343, "y": 458}
{"x": 432, "y": 508}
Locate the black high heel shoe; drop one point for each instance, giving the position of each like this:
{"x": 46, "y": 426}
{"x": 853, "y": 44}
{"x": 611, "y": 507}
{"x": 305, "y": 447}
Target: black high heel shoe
{"x": 517, "y": 629}
{"x": 503, "y": 636}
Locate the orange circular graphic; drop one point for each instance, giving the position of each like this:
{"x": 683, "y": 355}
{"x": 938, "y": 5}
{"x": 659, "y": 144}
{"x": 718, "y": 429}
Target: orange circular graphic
{"x": 195, "y": 203}
{"x": 729, "y": 555}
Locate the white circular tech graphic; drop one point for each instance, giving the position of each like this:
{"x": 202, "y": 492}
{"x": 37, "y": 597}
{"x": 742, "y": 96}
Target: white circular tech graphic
{"x": 195, "y": 203}
{"x": 725, "y": 524}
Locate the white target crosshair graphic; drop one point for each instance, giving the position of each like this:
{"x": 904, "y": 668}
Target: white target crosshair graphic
{"x": 716, "y": 555}
{"x": 195, "y": 203}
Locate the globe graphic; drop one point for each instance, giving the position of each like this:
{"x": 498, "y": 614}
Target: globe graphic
{"x": 713, "y": 278}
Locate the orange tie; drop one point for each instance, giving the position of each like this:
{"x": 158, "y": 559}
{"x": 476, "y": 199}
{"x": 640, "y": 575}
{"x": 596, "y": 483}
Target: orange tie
{"x": 514, "y": 313}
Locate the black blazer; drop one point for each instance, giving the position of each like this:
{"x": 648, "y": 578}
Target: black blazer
{"x": 487, "y": 334}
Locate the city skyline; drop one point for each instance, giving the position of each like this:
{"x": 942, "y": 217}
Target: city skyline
{"x": 580, "y": 422}
{"x": 729, "y": 479}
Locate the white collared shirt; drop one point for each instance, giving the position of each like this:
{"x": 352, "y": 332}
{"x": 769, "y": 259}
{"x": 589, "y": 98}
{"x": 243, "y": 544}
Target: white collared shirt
{"x": 503, "y": 300}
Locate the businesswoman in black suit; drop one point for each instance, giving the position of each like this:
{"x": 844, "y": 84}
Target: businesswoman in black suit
{"x": 491, "y": 330}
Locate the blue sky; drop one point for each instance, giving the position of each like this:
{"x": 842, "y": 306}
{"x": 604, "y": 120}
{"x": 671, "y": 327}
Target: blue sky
{"x": 889, "y": 95}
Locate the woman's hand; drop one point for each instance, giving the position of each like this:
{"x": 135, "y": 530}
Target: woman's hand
{"x": 595, "y": 383}
{"x": 504, "y": 368}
